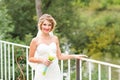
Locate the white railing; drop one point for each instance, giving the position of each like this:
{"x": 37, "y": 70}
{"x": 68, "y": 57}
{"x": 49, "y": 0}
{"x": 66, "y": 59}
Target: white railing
{"x": 9, "y": 60}
{"x": 13, "y": 66}
{"x": 97, "y": 70}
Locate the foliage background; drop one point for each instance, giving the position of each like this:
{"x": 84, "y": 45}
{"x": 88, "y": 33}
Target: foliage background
{"x": 90, "y": 27}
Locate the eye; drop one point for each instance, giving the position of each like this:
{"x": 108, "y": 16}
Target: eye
{"x": 50, "y": 25}
{"x": 44, "y": 24}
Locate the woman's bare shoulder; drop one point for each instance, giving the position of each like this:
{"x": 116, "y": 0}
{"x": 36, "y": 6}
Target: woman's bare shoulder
{"x": 55, "y": 38}
{"x": 34, "y": 40}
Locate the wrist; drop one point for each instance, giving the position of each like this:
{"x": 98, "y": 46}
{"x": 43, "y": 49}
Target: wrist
{"x": 43, "y": 61}
{"x": 75, "y": 56}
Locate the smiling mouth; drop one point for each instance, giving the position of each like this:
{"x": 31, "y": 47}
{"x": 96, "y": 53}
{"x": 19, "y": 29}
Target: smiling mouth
{"x": 47, "y": 30}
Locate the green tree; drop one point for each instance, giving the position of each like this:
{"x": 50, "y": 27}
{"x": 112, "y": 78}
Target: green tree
{"x": 23, "y": 14}
{"x": 6, "y": 23}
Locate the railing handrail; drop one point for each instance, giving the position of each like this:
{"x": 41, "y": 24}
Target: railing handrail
{"x": 12, "y": 43}
{"x": 101, "y": 62}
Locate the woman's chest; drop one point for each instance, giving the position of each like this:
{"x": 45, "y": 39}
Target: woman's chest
{"x": 46, "y": 49}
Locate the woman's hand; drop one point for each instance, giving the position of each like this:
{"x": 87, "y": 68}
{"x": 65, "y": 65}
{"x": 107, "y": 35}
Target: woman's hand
{"x": 80, "y": 56}
{"x": 46, "y": 62}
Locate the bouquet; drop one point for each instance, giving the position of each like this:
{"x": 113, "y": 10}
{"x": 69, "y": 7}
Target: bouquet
{"x": 51, "y": 58}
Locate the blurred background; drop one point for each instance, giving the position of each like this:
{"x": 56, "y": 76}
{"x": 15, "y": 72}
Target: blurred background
{"x": 90, "y": 27}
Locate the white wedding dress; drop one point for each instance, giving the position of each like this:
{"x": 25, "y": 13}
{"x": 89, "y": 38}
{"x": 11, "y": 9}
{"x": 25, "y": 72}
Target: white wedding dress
{"x": 53, "y": 71}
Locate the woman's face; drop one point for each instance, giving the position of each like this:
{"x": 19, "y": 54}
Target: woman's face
{"x": 46, "y": 27}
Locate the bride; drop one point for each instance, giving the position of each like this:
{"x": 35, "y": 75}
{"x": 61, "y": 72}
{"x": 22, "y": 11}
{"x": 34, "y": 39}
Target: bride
{"x": 46, "y": 44}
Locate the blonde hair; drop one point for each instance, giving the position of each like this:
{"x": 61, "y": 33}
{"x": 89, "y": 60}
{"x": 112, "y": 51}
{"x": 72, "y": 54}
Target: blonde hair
{"x": 46, "y": 17}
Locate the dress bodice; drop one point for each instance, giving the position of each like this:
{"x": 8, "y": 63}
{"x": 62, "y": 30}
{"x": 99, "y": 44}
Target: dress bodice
{"x": 44, "y": 50}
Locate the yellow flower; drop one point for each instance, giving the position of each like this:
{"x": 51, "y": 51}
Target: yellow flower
{"x": 51, "y": 58}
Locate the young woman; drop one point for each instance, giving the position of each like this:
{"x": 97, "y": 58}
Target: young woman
{"x": 44, "y": 45}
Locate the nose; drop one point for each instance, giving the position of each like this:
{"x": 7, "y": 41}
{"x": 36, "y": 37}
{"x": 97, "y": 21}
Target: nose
{"x": 48, "y": 26}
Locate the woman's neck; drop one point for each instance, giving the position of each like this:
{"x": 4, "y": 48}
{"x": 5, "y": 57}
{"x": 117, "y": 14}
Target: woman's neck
{"x": 45, "y": 35}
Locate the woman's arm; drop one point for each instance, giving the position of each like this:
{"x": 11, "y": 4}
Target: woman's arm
{"x": 32, "y": 50}
{"x": 66, "y": 56}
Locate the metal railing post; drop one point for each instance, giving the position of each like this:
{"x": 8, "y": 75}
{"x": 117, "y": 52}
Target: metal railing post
{"x": 77, "y": 69}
